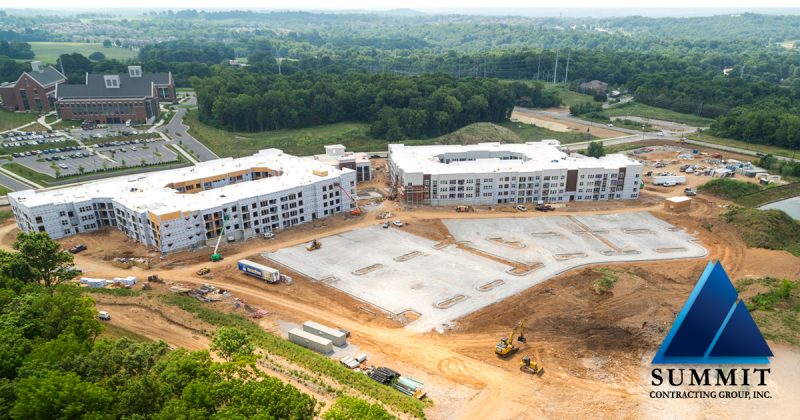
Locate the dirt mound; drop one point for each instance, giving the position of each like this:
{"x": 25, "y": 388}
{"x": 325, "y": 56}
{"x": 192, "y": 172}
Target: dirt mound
{"x": 480, "y": 133}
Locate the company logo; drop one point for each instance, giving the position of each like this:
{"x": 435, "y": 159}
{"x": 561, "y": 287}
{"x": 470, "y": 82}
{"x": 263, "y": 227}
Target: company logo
{"x": 714, "y": 327}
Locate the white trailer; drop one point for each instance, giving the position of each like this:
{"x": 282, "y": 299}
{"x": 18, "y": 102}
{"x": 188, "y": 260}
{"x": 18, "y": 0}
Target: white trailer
{"x": 310, "y": 341}
{"x": 338, "y": 337}
{"x": 669, "y": 180}
{"x": 260, "y": 271}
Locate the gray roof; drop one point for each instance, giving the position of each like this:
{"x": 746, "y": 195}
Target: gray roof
{"x": 48, "y": 75}
{"x": 129, "y": 87}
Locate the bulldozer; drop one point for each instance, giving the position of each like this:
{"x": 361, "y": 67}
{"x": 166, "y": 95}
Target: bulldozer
{"x": 314, "y": 245}
{"x": 506, "y": 344}
{"x": 530, "y": 365}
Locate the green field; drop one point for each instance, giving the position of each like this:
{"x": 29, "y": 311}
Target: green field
{"x": 355, "y": 136}
{"x": 48, "y": 52}
{"x": 764, "y": 148}
{"x": 10, "y": 120}
{"x": 635, "y": 109}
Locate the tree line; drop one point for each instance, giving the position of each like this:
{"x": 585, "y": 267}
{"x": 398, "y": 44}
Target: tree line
{"x": 55, "y": 364}
{"x": 396, "y": 107}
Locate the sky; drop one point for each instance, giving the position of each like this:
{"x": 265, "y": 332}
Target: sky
{"x": 413, "y": 4}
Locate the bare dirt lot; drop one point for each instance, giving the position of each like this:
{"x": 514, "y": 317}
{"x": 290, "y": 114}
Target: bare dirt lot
{"x": 595, "y": 347}
{"x": 535, "y": 117}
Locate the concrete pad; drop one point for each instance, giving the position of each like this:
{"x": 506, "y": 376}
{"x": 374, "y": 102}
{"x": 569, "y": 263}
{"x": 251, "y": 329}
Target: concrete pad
{"x": 400, "y": 272}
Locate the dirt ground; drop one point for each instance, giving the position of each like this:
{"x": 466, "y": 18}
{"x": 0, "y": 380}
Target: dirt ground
{"x": 530, "y": 116}
{"x": 595, "y": 348}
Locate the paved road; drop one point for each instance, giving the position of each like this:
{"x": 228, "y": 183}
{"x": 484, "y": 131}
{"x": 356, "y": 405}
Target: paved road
{"x": 12, "y": 183}
{"x": 176, "y": 125}
{"x": 637, "y": 135}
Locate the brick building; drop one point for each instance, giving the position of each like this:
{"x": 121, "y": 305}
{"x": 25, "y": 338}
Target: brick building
{"x": 34, "y": 90}
{"x": 116, "y": 98}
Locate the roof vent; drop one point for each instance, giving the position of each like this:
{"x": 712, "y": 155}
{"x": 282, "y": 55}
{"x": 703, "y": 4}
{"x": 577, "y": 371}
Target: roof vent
{"x": 37, "y": 66}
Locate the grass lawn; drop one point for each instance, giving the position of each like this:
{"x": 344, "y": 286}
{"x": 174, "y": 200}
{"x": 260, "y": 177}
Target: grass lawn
{"x": 530, "y": 132}
{"x": 48, "y": 52}
{"x": 764, "y": 148}
{"x": 302, "y": 141}
{"x": 10, "y": 120}
{"x": 29, "y": 173}
{"x": 646, "y": 111}
{"x": 4, "y": 191}
{"x": 64, "y": 124}
{"x": 769, "y": 195}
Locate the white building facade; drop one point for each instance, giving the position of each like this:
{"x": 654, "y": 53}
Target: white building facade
{"x": 495, "y": 173}
{"x": 188, "y": 207}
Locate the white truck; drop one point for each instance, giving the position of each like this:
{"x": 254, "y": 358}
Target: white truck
{"x": 268, "y": 274}
{"x": 669, "y": 180}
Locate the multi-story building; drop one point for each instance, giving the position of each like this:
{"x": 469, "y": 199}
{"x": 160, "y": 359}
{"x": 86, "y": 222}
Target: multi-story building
{"x": 34, "y": 90}
{"x": 335, "y": 155}
{"x": 495, "y": 173}
{"x": 189, "y": 207}
{"x": 116, "y": 98}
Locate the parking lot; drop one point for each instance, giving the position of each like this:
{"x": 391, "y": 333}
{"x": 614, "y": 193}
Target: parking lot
{"x": 20, "y": 142}
{"x": 99, "y": 157}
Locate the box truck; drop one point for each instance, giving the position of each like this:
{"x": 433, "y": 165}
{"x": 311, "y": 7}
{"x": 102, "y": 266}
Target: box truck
{"x": 262, "y": 272}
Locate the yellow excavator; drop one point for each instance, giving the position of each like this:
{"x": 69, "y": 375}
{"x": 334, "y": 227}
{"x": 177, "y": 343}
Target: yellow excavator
{"x": 529, "y": 365}
{"x": 506, "y": 345}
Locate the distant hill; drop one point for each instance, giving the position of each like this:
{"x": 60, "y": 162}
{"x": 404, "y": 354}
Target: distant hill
{"x": 480, "y": 133}
{"x": 403, "y": 12}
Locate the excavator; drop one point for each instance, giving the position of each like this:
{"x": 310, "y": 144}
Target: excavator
{"x": 529, "y": 365}
{"x": 506, "y": 345}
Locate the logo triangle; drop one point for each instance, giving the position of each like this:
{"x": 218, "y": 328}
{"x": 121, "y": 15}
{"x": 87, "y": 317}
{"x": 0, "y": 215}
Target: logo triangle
{"x": 714, "y": 326}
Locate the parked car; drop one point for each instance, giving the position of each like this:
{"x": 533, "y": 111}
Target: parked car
{"x": 386, "y": 225}
{"x": 269, "y": 235}
{"x": 398, "y": 223}
{"x": 77, "y": 248}
{"x": 104, "y": 316}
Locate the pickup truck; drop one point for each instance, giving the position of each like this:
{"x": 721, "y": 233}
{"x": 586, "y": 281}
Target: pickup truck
{"x": 77, "y": 248}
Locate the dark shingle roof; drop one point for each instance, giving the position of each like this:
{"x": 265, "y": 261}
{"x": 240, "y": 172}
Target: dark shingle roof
{"x": 48, "y": 75}
{"x": 129, "y": 87}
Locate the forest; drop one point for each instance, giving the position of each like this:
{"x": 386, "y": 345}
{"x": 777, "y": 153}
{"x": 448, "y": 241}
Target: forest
{"x": 729, "y": 67}
{"x": 396, "y": 107}
{"x": 55, "y": 364}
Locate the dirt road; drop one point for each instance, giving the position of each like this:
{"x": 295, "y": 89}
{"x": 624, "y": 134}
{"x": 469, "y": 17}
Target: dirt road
{"x": 593, "y": 346}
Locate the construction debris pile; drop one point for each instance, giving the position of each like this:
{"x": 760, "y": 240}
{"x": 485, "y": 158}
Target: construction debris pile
{"x": 208, "y": 293}
{"x": 405, "y": 384}
{"x": 130, "y": 262}
{"x": 125, "y": 282}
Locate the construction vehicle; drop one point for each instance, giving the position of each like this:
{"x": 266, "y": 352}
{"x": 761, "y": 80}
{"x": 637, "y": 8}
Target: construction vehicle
{"x": 529, "y": 365}
{"x": 357, "y": 210}
{"x": 544, "y": 207}
{"x": 506, "y": 344}
{"x": 216, "y": 256}
{"x": 203, "y": 271}
{"x": 464, "y": 209}
{"x": 314, "y": 245}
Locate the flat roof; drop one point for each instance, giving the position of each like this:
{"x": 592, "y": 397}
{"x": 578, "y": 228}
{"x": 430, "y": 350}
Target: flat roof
{"x": 324, "y": 329}
{"x": 679, "y": 199}
{"x": 310, "y": 337}
{"x": 149, "y": 191}
{"x": 532, "y": 156}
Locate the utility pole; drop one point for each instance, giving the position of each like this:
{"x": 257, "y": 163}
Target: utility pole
{"x": 566, "y": 73}
{"x": 555, "y": 70}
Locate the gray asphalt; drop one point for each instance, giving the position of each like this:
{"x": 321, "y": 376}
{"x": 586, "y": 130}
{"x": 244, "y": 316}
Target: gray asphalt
{"x": 176, "y": 126}
{"x": 12, "y": 183}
